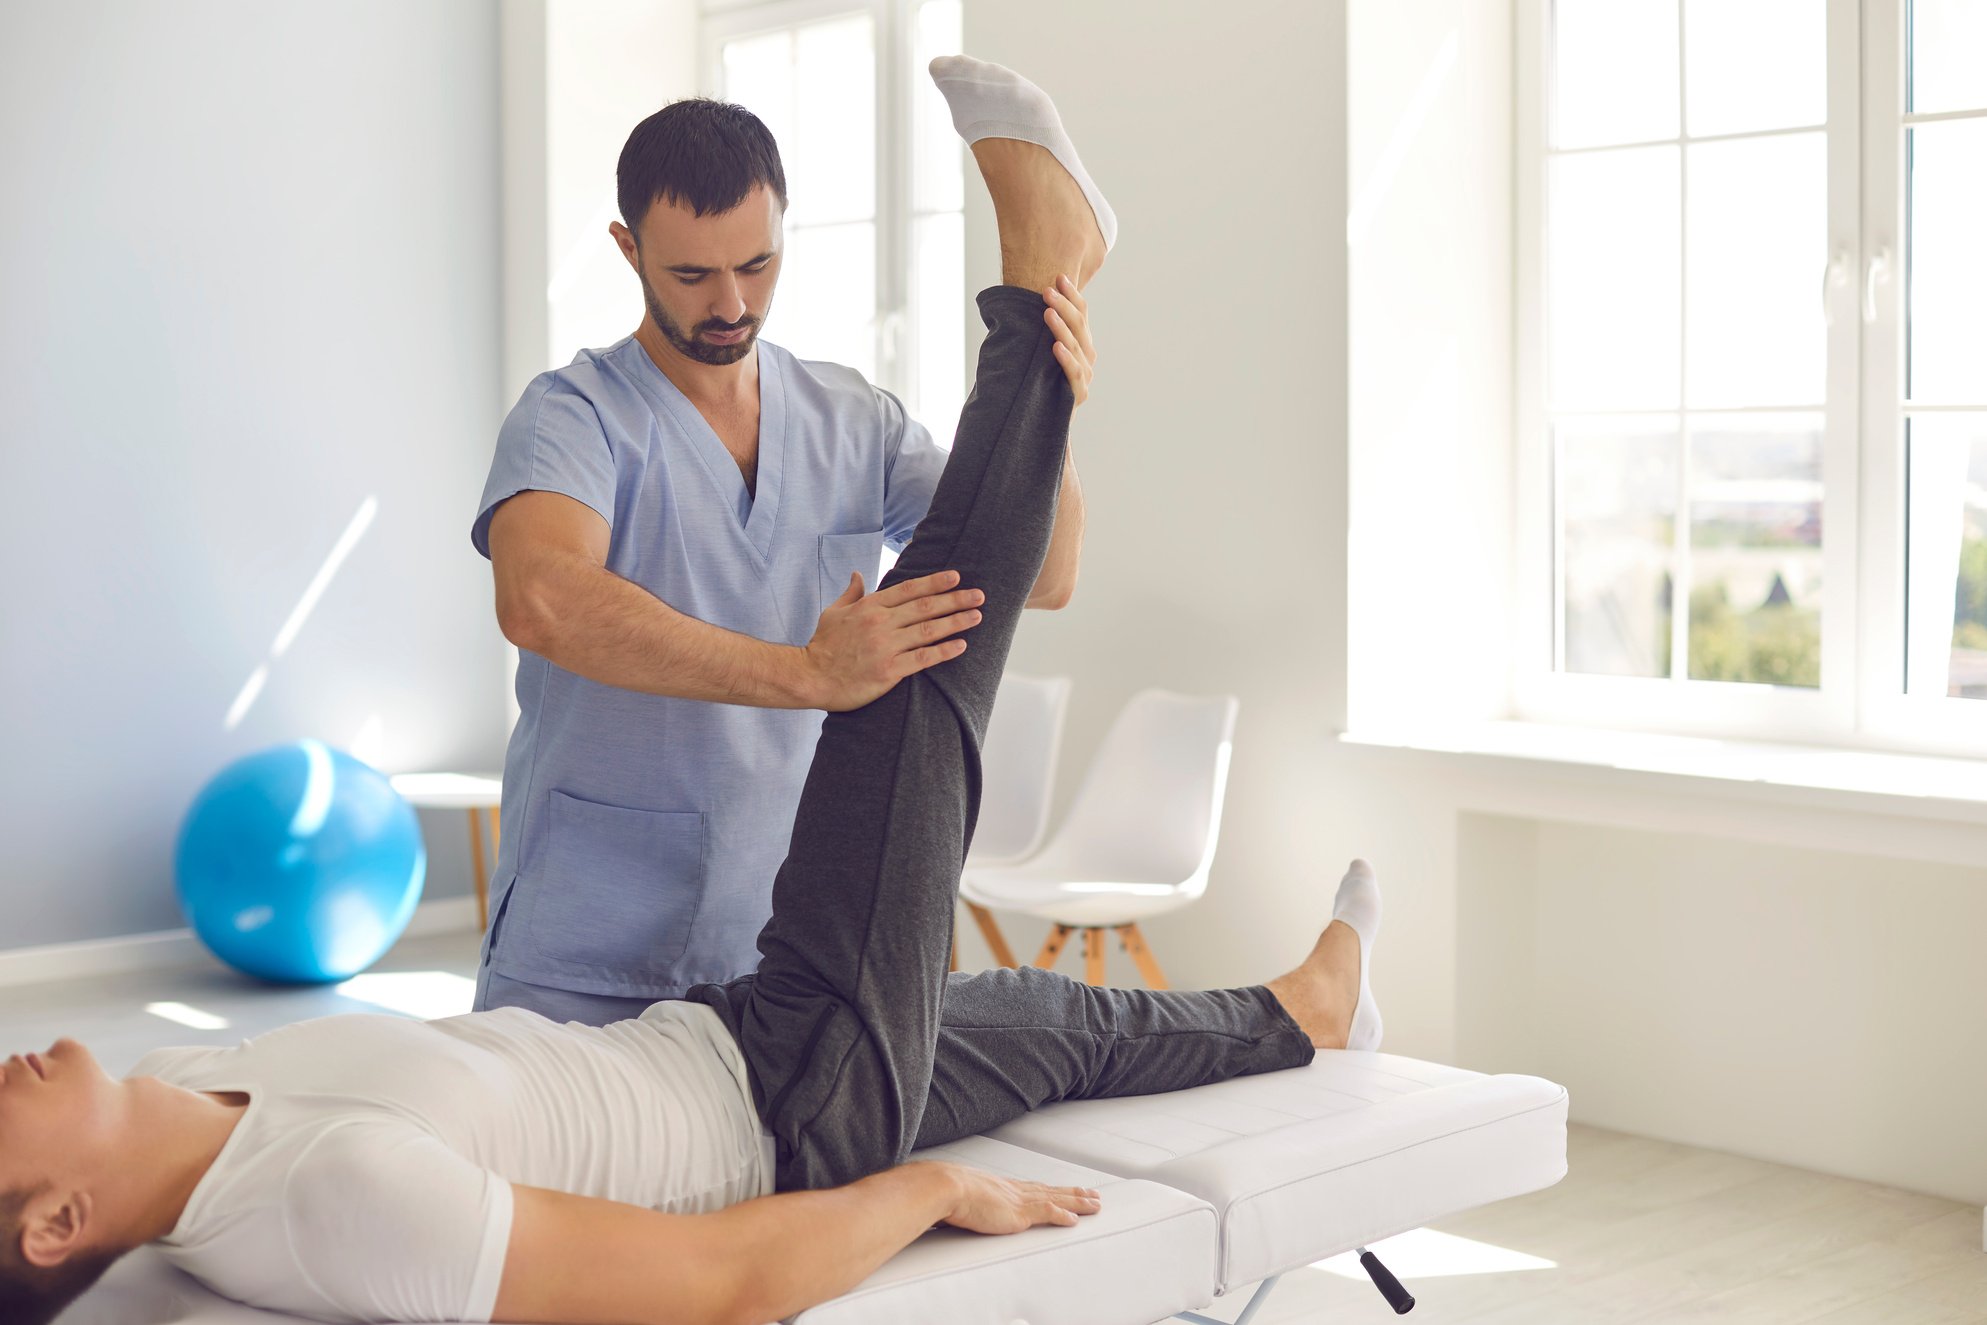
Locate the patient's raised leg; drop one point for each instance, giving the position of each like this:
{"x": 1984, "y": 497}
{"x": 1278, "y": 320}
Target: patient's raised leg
{"x": 839, "y": 1024}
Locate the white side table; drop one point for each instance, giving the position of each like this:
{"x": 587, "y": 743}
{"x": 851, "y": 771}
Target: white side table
{"x": 474, "y": 792}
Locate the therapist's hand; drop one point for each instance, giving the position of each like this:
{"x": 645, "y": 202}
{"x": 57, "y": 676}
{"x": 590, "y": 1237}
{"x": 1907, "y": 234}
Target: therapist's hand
{"x": 866, "y": 643}
{"x": 1068, "y": 316}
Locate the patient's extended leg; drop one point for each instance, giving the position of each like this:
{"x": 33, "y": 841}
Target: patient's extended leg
{"x": 1013, "y": 1040}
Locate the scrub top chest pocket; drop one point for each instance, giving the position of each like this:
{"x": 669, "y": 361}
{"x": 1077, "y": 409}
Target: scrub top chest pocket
{"x": 620, "y": 888}
{"x": 842, "y": 554}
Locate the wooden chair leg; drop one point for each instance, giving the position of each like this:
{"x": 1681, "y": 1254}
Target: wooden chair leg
{"x": 996, "y": 942}
{"x": 1052, "y": 946}
{"x": 496, "y": 838}
{"x": 477, "y": 877}
{"x": 1093, "y": 955}
{"x": 1148, "y": 965}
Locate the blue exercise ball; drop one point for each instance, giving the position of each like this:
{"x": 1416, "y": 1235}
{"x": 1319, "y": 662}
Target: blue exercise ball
{"x": 299, "y": 864}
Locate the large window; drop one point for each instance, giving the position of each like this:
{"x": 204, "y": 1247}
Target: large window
{"x": 873, "y": 275}
{"x": 1753, "y": 303}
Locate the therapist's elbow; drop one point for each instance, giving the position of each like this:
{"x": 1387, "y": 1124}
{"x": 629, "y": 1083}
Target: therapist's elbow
{"x": 525, "y": 619}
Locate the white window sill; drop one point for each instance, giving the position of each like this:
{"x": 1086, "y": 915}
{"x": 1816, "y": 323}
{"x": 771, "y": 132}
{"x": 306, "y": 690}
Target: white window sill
{"x": 1870, "y": 781}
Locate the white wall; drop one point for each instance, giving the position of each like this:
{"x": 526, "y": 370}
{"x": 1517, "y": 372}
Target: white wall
{"x": 250, "y": 265}
{"x": 1779, "y": 973}
{"x": 1819, "y": 1008}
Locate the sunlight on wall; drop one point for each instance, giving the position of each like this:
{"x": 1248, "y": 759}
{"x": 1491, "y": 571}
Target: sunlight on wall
{"x": 251, "y": 690}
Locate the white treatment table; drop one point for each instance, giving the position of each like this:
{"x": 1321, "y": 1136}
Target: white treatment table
{"x": 1206, "y": 1191}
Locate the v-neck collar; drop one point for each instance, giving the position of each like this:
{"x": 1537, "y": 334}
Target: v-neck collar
{"x": 718, "y": 463}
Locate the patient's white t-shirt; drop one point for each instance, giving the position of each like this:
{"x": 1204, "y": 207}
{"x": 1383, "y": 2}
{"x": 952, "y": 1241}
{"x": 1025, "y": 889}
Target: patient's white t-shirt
{"x": 369, "y": 1178}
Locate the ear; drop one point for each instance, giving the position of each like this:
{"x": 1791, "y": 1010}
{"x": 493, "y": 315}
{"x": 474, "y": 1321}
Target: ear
{"x": 54, "y": 1227}
{"x": 624, "y": 238}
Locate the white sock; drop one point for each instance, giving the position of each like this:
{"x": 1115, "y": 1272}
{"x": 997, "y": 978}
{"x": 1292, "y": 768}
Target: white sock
{"x": 992, "y": 101}
{"x": 1358, "y": 905}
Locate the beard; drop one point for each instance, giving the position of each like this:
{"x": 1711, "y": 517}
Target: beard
{"x": 689, "y": 345}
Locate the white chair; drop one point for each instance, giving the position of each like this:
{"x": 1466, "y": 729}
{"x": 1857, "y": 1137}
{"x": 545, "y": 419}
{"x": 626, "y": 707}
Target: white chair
{"x": 1018, "y": 772}
{"x": 1139, "y": 838}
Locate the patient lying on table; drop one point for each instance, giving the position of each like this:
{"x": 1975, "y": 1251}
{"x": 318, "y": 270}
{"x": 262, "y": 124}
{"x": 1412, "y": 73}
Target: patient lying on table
{"x": 739, "y": 1155}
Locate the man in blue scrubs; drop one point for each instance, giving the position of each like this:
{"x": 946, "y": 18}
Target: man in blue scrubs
{"x": 682, "y": 527}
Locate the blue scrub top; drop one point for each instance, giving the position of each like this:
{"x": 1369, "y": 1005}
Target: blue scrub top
{"x": 642, "y": 832}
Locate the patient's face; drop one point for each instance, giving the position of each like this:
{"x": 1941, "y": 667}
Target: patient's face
{"x": 58, "y": 1112}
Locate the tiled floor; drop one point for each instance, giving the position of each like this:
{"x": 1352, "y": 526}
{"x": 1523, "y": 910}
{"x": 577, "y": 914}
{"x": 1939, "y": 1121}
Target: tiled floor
{"x": 1639, "y": 1231}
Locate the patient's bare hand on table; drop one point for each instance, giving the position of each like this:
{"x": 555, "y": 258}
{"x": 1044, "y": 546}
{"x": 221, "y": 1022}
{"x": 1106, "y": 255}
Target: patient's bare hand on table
{"x": 866, "y": 643}
{"x": 989, "y": 1203}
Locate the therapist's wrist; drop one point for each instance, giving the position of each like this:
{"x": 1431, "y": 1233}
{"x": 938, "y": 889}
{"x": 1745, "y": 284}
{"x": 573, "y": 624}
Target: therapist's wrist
{"x": 798, "y": 677}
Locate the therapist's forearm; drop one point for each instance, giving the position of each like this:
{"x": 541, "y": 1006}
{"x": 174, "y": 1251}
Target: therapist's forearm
{"x": 610, "y": 630}
{"x": 1056, "y": 581}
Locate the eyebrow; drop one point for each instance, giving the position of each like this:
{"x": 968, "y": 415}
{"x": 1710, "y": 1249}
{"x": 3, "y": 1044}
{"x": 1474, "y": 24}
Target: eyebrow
{"x": 686, "y": 269}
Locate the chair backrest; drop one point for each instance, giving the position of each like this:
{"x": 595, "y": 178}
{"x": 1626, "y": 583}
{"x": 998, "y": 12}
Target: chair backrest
{"x": 1149, "y": 808}
{"x": 1018, "y": 768}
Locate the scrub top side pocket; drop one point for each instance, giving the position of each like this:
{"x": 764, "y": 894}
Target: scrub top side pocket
{"x": 844, "y": 553}
{"x": 617, "y": 888}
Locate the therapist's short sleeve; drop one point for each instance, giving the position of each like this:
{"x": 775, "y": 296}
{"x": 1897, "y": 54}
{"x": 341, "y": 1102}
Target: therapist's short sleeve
{"x": 551, "y": 441}
{"x": 913, "y": 463}
{"x": 387, "y": 1223}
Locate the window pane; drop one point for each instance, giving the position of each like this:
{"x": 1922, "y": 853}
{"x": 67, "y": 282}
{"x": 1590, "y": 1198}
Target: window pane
{"x": 1755, "y": 549}
{"x": 1617, "y": 482}
{"x": 825, "y": 307}
{"x": 831, "y": 157}
{"x": 1614, "y": 71}
{"x": 1758, "y": 231}
{"x": 1946, "y": 66}
{"x": 1946, "y": 304}
{"x": 938, "y": 180}
{"x": 940, "y": 281}
{"x": 1946, "y": 597}
{"x": 1755, "y": 64}
{"x": 1613, "y": 256}
{"x": 758, "y": 74}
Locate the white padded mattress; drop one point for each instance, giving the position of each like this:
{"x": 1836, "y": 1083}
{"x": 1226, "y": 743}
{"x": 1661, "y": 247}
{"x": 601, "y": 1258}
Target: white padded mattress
{"x": 1310, "y": 1162}
{"x": 1147, "y": 1254}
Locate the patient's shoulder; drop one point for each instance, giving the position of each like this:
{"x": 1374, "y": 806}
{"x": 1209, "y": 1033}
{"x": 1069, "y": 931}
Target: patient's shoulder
{"x": 387, "y": 1222}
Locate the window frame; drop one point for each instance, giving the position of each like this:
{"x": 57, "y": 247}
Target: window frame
{"x": 893, "y": 323}
{"x": 1862, "y": 614}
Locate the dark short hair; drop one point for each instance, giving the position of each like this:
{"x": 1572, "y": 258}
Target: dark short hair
{"x": 29, "y": 1294}
{"x": 704, "y": 153}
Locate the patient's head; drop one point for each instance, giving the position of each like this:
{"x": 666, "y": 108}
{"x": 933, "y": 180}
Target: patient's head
{"x": 64, "y": 1124}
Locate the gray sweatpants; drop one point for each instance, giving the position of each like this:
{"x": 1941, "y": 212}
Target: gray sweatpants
{"x": 860, "y": 1046}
